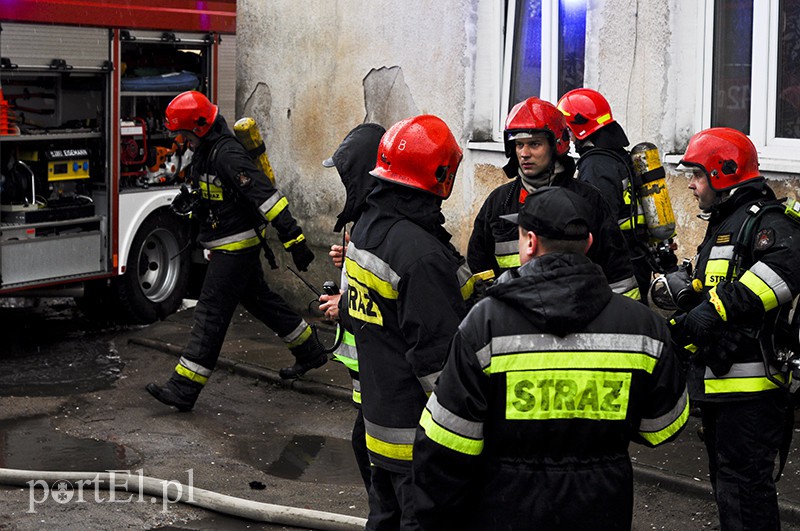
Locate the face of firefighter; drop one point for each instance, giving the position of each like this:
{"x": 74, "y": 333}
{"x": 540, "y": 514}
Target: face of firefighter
{"x": 702, "y": 191}
{"x": 192, "y": 139}
{"x": 534, "y": 154}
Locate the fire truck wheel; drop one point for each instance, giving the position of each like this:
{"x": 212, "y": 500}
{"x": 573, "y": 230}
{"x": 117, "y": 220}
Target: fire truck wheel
{"x": 157, "y": 272}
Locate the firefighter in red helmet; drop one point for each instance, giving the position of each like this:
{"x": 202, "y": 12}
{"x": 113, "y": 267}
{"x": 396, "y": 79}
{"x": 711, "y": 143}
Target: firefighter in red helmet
{"x": 403, "y": 301}
{"x": 536, "y": 142}
{"x": 600, "y": 141}
{"x": 232, "y": 201}
{"x": 747, "y": 271}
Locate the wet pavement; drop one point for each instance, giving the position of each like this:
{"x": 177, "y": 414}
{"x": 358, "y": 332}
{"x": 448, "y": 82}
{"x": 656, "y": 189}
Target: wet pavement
{"x": 277, "y": 454}
{"x": 250, "y": 348}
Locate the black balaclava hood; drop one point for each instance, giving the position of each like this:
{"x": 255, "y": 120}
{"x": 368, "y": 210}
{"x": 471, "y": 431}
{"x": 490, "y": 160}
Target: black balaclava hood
{"x": 354, "y": 159}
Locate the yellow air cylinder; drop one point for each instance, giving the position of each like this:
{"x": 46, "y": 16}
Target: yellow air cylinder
{"x": 248, "y": 134}
{"x": 652, "y": 191}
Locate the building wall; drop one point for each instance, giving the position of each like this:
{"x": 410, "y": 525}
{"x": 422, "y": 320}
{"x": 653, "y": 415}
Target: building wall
{"x": 308, "y": 72}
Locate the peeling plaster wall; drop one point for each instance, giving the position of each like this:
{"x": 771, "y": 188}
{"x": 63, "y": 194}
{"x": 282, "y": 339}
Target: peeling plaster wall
{"x": 309, "y": 72}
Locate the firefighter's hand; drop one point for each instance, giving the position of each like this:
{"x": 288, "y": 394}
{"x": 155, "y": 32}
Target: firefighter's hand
{"x": 337, "y": 252}
{"x": 701, "y": 323}
{"x": 185, "y": 201}
{"x": 301, "y": 255}
{"x": 329, "y": 305}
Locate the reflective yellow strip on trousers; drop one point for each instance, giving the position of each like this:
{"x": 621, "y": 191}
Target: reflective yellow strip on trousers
{"x": 401, "y": 452}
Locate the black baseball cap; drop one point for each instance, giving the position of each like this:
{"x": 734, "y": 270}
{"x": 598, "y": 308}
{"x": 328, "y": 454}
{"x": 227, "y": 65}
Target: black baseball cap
{"x": 554, "y": 212}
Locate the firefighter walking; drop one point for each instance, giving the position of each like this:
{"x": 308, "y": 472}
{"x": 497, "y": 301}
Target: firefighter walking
{"x": 742, "y": 284}
{"x": 229, "y": 193}
{"x": 547, "y": 381}
{"x": 404, "y": 299}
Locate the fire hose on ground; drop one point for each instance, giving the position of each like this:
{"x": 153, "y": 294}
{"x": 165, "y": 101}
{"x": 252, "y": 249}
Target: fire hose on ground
{"x": 173, "y": 491}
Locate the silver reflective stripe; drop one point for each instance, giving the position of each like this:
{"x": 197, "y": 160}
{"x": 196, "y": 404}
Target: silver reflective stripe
{"x": 658, "y": 424}
{"x": 270, "y": 202}
{"x": 429, "y": 382}
{"x": 294, "y": 334}
{"x": 192, "y": 366}
{"x": 452, "y": 422}
{"x": 391, "y": 435}
{"x": 624, "y": 286}
{"x": 504, "y": 248}
{"x": 464, "y": 275}
{"x": 574, "y": 342}
{"x": 374, "y": 265}
{"x": 773, "y": 280}
{"x": 484, "y": 356}
{"x": 721, "y": 252}
{"x": 356, "y": 385}
{"x": 233, "y": 238}
{"x": 347, "y": 351}
{"x": 343, "y": 282}
{"x": 742, "y": 370}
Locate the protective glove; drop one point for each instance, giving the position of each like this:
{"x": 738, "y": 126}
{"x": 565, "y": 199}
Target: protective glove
{"x": 301, "y": 255}
{"x": 185, "y": 201}
{"x": 702, "y": 323}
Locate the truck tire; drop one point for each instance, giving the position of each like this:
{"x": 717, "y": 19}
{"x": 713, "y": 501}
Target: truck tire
{"x": 157, "y": 271}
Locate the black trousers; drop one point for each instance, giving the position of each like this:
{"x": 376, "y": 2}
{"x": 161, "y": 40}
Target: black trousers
{"x": 742, "y": 439}
{"x": 391, "y": 505}
{"x": 234, "y": 278}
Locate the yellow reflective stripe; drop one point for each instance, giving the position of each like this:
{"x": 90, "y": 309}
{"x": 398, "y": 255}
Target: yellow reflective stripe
{"x": 634, "y": 294}
{"x": 571, "y": 360}
{"x": 716, "y": 271}
{"x": 717, "y": 303}
{"x": 356, "y": 396}
{"x": 604, "y": 118}
{"x": 657, "y": 437}
{"x": 300, "y": 338}
{"x": 277, "y": 209}
{"x": 740, "y": 385}
{"x": 447, "y": 438}
{"x": 299, "y": 239}
{"x": 508, "y": 261}
{"x": 350, "y": 363}
{"x": 556, "y": 394}
{"x": 761, "y": 289}
{"x": 238, "y": 246}
{"x": 401, "y": 452}
{"x": 370, "y": 280}
{"x": 191, "y": 375}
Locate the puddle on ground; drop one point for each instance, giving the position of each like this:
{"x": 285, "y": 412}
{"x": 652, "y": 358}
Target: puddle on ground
{"x": 33, "y": 444}
{"x": 64, "y": 368}
{"x": 314, "y": 459}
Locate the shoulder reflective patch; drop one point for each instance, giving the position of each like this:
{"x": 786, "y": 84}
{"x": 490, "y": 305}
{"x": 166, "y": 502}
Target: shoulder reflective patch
{"x": 724, "y": 238}
{"x": 548, "y": 395}
{"x": 764, "y": 239}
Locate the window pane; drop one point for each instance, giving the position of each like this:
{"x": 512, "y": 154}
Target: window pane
{"x": 571, "y": 44}
{"x": 787, "y": 123}
{"x": 733, "y": 45}
{"x": 526, "y": 65}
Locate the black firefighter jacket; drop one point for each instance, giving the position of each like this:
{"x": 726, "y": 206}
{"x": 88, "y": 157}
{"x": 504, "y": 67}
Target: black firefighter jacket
{"x": 768, "y": 277}
{"x": 548, "y": 379}
{"x": 404, "y": 301}
{"x": 493, "y": 243}
{"x": 227, "y": 221}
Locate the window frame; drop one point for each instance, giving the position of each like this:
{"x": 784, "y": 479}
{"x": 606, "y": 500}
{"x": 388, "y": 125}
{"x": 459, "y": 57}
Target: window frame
{"x": 773, "y": 150}
{"x": 548, "y": 89}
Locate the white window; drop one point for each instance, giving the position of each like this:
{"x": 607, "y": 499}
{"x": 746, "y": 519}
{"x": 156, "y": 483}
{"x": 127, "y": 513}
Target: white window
{"x": 752, "y": 72}
{"x": 544, "y": 51}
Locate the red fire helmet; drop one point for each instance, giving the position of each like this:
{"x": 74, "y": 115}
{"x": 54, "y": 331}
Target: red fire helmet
{"x": 419, "y": 152}
{"x": 191, "y": 111}
{"x": 726, "y": 155}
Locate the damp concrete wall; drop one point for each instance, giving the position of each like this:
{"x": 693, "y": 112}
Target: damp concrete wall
{"x": 308, "y": 72}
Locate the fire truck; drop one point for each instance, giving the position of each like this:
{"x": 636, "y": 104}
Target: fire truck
{"x": 87, "y": 169}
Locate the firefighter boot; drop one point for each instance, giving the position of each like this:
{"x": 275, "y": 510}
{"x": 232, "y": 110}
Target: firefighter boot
{"x": 309, "y": 355}
{"x": 178, "y": 392}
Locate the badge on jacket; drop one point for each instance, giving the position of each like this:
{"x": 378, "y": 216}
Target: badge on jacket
{"x": 244, "y": 179}
{"x": 764, "y": 239}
